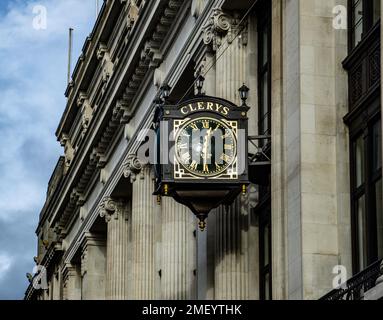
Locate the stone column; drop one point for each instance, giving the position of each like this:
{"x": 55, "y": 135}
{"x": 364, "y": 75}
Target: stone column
{"x": 143, "y": 234}
{"x": 117, "y": 216}
{"x": 71, "y": 275}
{"x": 93, "y": 267}
{"x": 277, "y": 169}
{"x": 232, "y": 257}
{"x": 315, "y": 149}
{"x": 178, "y": 278}
{"x": 231, "y": 223}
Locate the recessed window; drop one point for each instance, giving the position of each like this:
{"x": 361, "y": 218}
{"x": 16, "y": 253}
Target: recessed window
{"x": 376, "y": 11}
{"x": 367, "y": 213}
{"x": 364, "y": 14}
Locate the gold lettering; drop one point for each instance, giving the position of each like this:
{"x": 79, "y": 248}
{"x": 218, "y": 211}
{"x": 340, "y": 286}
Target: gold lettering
{"x": 191, "y": 108}
{"x": 194, "y": 165}
{"x": 184, "y": 110}
{"x": 226, "y": 158}
{"x": 194, "y": 126}
{"x": 225, "y": 111}
{"x": 210, "y": 106}
{"x": 228, "y": 147}
{"x": 206, "y": 124}
{"x": 218, "y": 107}
{"x": 201, "y": 106}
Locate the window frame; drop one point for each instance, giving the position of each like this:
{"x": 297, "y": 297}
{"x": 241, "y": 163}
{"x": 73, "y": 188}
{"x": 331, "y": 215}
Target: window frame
{"x": 264, "y": 23}
{"x": 364, "y": 126}
{"x": 367, "y": 23}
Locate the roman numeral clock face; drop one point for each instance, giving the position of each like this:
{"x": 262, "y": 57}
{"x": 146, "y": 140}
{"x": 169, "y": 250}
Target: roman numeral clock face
{"x": 205, "y": 147}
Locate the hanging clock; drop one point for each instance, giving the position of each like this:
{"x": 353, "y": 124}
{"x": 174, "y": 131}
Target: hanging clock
{"x": 202, "y": 153}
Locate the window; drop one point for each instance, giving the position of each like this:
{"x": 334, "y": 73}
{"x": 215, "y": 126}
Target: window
{"x": 263, "y": 210}
{"x": 364, "y": 14}
{"x": 367, "y": 214}
{"x": 265, "y": 283}
{"x": 264, "y": 71}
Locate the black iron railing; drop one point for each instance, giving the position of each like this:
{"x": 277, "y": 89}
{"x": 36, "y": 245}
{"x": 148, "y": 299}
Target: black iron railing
{"x": 260, "y": 150}
{"x": 355, "y": 288}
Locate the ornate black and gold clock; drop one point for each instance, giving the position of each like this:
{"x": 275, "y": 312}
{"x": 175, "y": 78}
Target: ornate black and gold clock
{"x": 202, "y": 153}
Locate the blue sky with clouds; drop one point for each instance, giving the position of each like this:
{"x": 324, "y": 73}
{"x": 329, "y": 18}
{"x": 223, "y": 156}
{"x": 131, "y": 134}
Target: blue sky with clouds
{"x": 33, "y": 67}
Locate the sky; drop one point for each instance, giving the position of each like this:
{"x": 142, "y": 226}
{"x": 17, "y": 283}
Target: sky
{"x": 33, "y": 64}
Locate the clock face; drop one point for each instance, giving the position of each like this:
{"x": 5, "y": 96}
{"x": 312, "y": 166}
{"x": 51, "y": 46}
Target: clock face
{"x": 206, "y": 147}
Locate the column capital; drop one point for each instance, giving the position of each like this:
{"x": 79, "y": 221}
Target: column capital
{"x": 68, "y": 270}
{"x": 132, "y": 167}
{"x": 220, "y": 24}
{"x": 110, "y": 207}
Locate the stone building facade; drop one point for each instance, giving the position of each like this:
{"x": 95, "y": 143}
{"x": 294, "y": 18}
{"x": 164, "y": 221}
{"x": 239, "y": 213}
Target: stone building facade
{"x": 315, "y": 100}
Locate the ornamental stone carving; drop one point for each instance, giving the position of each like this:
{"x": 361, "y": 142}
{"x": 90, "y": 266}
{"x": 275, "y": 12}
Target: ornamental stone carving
{"x": 111, "y": 208}
{"x": 68, "y": 151}
{"x": 132, "y": 168}
{"x": 106, "y": 64}
{"x": 86, "y": 111}
{"x": 223, "y": 24}
{"x": 108, "y": 208}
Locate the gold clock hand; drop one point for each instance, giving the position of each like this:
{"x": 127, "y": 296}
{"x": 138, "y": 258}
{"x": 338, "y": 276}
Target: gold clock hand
{"x": 205, "y": 147}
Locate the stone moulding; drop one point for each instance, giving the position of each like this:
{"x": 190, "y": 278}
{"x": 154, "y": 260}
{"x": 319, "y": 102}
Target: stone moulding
{"x": 133, "y": 146}
{"x": 150, "y": 57}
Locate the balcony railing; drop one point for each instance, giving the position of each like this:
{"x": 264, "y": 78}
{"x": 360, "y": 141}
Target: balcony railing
{"x": 355, "y": 288}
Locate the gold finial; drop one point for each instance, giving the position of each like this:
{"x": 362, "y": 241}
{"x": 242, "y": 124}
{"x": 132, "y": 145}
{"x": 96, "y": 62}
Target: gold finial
{"x": 244, "y": 189}
{"x": 166, "y": 189}
{"x": 202, "y": 224}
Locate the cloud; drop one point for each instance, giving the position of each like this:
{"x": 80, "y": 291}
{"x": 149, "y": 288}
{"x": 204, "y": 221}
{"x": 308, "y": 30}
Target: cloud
{"x": 33, "y": 67}
{"x": 5, "y": 264}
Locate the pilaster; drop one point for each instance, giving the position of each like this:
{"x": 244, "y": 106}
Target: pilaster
{"x": 178, "y": 274}
{"x": 117, "y": 216}
{"x": 144, "y": 223}
{"x": 93, "y": 267}
{"x": 71, "y": 275}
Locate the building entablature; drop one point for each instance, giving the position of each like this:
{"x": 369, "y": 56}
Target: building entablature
{"x": 106, "y": 125}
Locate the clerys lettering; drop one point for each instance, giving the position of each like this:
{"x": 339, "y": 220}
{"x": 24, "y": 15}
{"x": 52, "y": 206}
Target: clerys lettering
{"x": 205, "y": 106}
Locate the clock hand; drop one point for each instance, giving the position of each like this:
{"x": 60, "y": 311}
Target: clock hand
{"x": 205, "y": 146}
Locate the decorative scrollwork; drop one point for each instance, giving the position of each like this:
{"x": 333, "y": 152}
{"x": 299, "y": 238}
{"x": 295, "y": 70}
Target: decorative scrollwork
{"x": 220, "y": 25}
{"x": 108, "y": 208}
{"x": 132, "y": 168}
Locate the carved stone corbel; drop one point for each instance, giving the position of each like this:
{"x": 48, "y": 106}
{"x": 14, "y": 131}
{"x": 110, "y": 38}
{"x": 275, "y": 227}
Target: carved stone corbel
{"x": 102, "y": 49}
{"x": 106, "y": 64}
{"x": 68, "y": 151}
{"x": 132, "y": 168}
{"x": 86, "y": 111}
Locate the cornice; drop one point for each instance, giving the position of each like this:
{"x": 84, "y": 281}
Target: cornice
{"x": 83, "y": 64}
{"x": 191, "y": 46}
{"x": 120, "y": 114}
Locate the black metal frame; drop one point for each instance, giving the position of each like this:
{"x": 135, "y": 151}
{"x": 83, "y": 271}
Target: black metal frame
{"x": 367, "y": 189}
{"x": 264, "y": 25}
{"x": 355, "y": 288}
{"x": 264, "y": 213}
{"x": 263, "y": 158}
{"x": 368, "y": 23}
{"x": 365, "y": 110}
